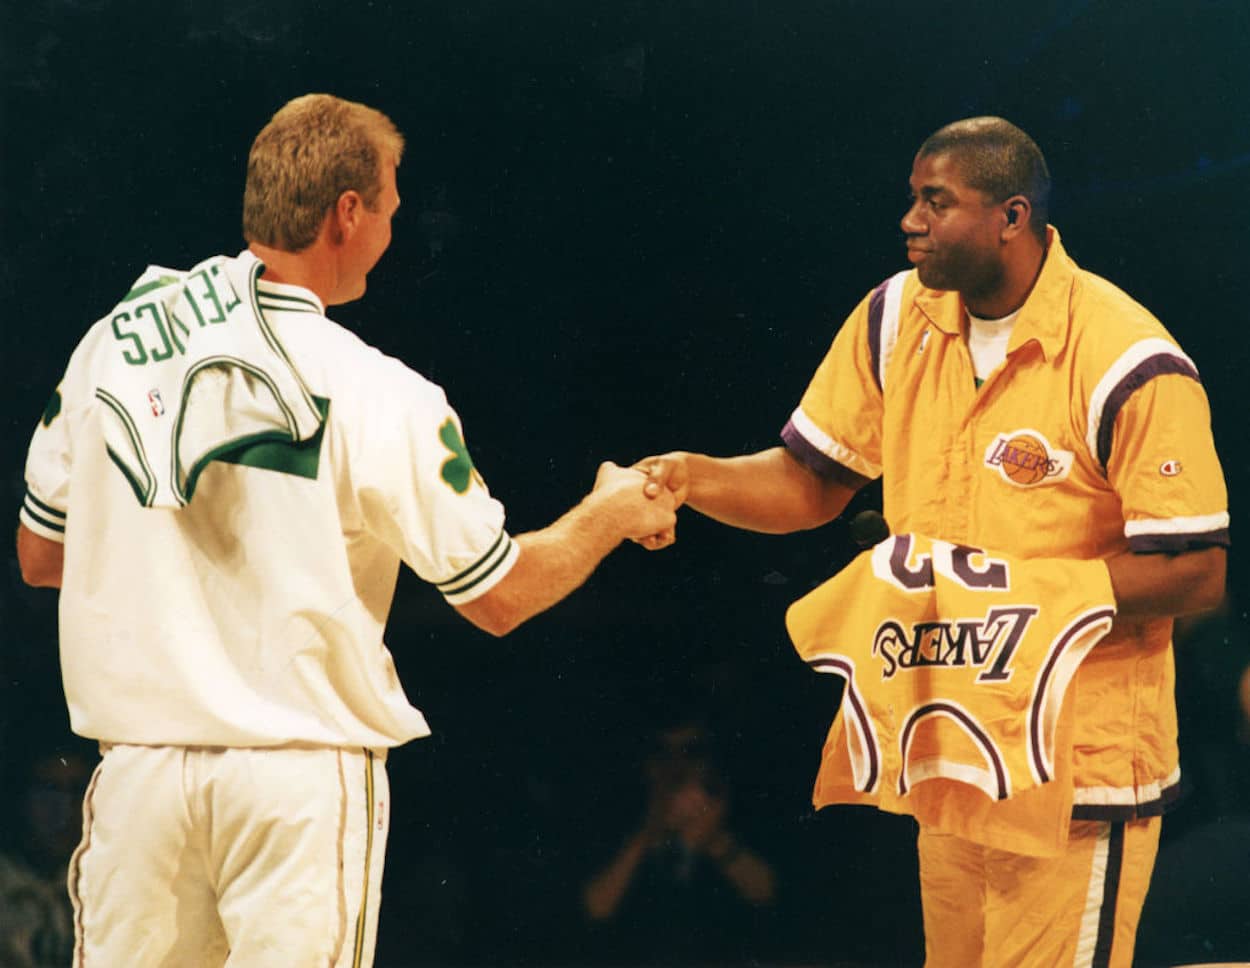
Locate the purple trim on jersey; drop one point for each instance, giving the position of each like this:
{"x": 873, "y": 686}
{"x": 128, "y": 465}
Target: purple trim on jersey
{"x": 1147, "y": 544}
{"x": 820, "y": 464}
{"x": 1110, "y": 891}
{"x": 1043, "y": 685}
{"x": 1134, "y": 380}
{"x": 842, "y": 667}
{"x": 876, "y": 311}
{"x": 986, "y": 744}
{"x": 1129, "y": 811}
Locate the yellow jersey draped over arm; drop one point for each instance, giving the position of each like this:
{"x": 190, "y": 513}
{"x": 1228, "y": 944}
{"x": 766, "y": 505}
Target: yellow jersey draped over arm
{"x": 957, "y": 662}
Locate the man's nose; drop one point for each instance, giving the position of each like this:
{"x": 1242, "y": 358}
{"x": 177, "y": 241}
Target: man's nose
{"x": 911, "y": 223}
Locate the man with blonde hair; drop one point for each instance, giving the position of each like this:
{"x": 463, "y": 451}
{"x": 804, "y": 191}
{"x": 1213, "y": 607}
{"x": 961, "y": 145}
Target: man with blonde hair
{"x": 223, "y": 488}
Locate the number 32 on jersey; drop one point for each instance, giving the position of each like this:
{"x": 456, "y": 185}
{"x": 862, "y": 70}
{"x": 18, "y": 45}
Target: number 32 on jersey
{"x": 988, "y": 641}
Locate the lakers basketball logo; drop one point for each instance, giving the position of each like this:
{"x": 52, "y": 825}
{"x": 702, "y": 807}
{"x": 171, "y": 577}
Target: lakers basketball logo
{"x": 1025, "y": 458}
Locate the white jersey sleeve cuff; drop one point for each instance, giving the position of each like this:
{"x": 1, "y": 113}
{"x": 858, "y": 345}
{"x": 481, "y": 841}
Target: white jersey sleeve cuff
{"x": 481, "y": 577}
{"x": 826, "y": 449}
{"x": 43, "y": 519}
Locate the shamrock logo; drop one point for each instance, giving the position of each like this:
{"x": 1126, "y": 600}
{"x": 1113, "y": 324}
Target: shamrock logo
{"x": 458, "y": 468}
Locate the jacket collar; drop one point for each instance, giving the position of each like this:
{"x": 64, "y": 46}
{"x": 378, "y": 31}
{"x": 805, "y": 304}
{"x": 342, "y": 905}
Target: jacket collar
{"x": 1043, "y": 318}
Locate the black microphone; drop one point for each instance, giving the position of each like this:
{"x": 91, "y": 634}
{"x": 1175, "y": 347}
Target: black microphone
{"x": 869, "y": 528}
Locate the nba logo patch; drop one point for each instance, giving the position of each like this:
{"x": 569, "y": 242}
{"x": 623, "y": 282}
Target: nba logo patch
{"x": 155, "y": 402}
{"x": 1025, "y": 458}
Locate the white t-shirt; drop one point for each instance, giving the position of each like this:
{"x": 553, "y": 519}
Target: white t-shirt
{"x": 254, "y": 615}
{"x": 987, "y": 342}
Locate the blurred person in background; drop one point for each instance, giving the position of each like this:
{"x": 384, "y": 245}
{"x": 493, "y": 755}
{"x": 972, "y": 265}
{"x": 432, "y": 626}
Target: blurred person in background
{"x": 36, "y": 919}
{"x": 683, "y": 887}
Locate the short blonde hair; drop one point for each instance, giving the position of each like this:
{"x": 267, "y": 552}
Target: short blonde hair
{"x": 312, "y": 150}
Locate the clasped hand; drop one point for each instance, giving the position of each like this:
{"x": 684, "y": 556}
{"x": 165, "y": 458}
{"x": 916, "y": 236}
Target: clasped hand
{"x": 645, "y": 514}
{"x": 667, "y": 475}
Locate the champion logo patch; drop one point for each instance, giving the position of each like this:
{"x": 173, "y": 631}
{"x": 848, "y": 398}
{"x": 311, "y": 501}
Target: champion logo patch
{"x": 1170, "y": 468}
{"x": 1025, "y": 458}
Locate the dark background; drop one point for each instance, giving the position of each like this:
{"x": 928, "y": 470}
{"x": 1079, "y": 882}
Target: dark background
{"x": 626, "y": 227}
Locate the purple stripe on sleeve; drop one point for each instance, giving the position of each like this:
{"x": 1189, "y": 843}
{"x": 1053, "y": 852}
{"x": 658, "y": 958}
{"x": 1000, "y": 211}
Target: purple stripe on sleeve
{"x": 823, "y": 466}
{"x": 1148, "y": 544}
{"x": 876, "y": 310}
{"x": 1134, "y": 380}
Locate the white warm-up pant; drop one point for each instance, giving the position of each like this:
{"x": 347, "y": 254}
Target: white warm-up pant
{"x": 241, "y": 857}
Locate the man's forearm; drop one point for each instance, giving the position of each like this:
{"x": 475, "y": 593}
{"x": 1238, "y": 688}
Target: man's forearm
{"x": 42, "y": 561}
{"x": 1163, "y": 586}
{"x": 603, "y": 894}
{"x": 769, "y": 491}
{"x": 553, "y": 562}
{"x": 557, "y": 559}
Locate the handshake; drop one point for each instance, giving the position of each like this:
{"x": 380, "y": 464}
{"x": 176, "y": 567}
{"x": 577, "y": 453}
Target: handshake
{"x": 640, "y": 502}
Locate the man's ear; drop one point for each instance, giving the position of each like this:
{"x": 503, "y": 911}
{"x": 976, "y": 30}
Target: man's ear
{"x": 1016, "y": 213}
{"x": 345, "y": 216}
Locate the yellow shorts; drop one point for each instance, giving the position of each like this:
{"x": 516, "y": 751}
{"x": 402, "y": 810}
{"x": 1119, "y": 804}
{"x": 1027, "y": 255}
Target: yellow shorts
{"x": 270, "y": 857}
{"x": 991, "y": 908}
